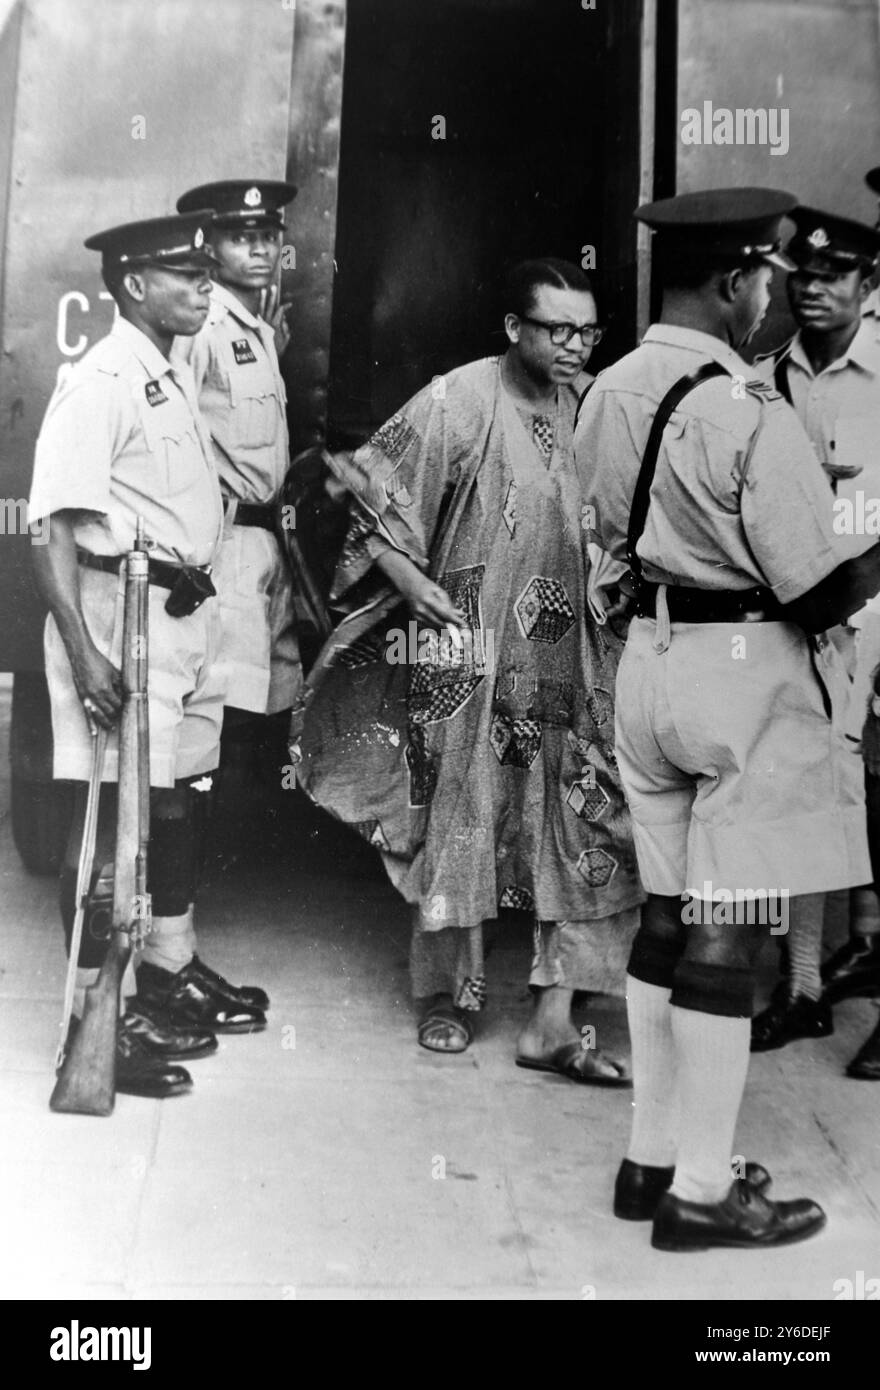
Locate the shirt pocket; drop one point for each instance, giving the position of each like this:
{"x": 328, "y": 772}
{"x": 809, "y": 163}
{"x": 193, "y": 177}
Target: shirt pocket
{"x": 256, "y": 403}
{"x": 173, "y": 444}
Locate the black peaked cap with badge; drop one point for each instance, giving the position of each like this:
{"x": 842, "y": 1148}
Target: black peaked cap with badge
{"x": 177, "y": 243}
{"x": 827, "y": 243}
{"x": 241, "y": 203}
{"x": 727, "y": 221}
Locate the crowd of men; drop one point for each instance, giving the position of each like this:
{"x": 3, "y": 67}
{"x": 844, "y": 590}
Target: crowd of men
{"x": 660, "y": 691}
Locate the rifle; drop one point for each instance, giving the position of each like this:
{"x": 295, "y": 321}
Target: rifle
{"x": 83, "y": 882}
{"x": 293, "y": 493}
{"x": 86, "y": 1083}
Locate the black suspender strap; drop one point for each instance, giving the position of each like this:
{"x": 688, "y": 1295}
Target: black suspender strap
{"x": 583, "y": 396}
{"x": 642, "y": 495}
{"x": 780, "y": 378}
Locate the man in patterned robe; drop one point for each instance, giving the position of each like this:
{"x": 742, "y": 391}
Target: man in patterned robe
{"x": 474, "y": 746}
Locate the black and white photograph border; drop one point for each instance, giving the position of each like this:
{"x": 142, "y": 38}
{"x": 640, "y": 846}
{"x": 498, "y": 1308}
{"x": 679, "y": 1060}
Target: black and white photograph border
{"x": 421, "y": 734}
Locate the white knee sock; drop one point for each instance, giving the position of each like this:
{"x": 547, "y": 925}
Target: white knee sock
{"x": 712, "y": 1054}
{"x": 171, "y": 943}
{"x": 655, "y": 1105}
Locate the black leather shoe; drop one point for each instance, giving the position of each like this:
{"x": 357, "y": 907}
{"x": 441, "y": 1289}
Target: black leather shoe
{"x": 638, "y": 1188}
{"x": 853, "y": 970}
{"x": 865, "y": 1066}
{"x": 139, "y": 1072}
{"x": 250, "y": 995}
{"x": 187, "y": 1003}
{"x": 743, "y": 1219}
{"x": 161, "y": 1037}
{"x": 785, "y": 1019}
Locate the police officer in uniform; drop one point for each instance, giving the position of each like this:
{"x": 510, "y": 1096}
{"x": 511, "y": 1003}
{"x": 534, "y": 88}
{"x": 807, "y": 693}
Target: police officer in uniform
{"x": 242, "y": 398}
{"x": 830, "y": 373}
{"x": 711, "y": 508}
{"x": 122, "y": 439}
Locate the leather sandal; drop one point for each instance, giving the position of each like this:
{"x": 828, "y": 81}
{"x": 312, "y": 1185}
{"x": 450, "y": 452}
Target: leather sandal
{"x": 577, "y": 1064}
{"x": 448, "y": 1017}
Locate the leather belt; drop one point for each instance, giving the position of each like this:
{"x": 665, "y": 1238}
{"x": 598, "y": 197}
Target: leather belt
{"x": 711, "y": 605}
{"x": 252, "y": 514}
{"x": 161, "y": 572}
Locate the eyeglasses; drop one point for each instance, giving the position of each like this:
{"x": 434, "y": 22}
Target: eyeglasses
{"x": 562, "y": 333}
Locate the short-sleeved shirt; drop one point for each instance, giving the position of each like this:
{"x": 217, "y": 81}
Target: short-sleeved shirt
{"x": 122, "y": 439}
{"x": 739, "y": 497}
{"x": 839, "y": 406}
{"x": 241, "y": 396}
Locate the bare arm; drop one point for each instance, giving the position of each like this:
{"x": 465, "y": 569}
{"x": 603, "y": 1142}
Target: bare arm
{"x": 840, "y": 594}
{"x": 427, "y": 600}
{"x": 57, "y": 575}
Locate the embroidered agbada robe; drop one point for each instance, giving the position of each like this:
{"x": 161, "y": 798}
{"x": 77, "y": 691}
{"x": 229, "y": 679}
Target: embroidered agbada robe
{"x": 485, "y": 774}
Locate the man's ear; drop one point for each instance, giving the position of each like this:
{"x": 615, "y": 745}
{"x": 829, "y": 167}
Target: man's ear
{"x": 866, "y": 284}
{"x": 134, "y": 286}
{"x": 729, "y": 284}
{"x": 512, "y": 327}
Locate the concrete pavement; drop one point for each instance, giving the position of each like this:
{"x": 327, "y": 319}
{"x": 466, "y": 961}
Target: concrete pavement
{"x": 331, "y": 1157}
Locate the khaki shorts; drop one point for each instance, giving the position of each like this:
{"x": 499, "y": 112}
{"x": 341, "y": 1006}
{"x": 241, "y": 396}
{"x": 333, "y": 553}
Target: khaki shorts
{"x": 734, "y": 774}
{"x": 260, "y": 648}
{"x": 186, "y": 686}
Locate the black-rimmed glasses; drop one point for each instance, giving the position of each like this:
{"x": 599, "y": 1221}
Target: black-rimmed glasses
{"x": 561, "y": 333}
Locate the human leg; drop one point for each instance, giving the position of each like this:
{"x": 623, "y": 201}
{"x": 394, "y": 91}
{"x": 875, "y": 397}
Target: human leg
{"x": 448, "y": 984}
{"x": 854, "y": 969}
{"x": 144, "y": 1050}
{"x": 797, "y": 1009}
{"x": 550, "y": 1039}
{"x": 172, "y": 981}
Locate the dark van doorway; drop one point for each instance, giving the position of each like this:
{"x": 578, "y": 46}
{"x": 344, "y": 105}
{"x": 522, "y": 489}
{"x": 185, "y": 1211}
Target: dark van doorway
{"x": 474, "y": 133}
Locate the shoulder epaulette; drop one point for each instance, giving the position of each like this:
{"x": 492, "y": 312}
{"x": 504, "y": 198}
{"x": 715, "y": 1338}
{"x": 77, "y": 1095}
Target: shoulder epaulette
{"x": 764, "y": 390}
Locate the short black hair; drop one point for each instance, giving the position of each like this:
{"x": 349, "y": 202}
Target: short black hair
{"x": 527, "y": 276}
{"x": 690, "y": 268}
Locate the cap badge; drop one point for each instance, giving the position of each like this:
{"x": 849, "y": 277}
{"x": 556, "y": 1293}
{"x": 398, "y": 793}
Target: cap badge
{"x": 253, "y": 197}
{"x": 819, "y": 239}
{"x": 199, "y": 239}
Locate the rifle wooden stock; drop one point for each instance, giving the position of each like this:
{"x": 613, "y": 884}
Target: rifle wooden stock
{"x": 87, "y": 1081}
